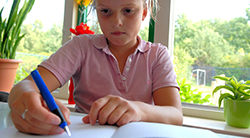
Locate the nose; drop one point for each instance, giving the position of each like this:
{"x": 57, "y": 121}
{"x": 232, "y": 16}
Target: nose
{"x": 117, "y": 20}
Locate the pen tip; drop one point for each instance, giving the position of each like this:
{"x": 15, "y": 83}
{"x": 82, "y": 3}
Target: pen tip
{"x": 66, "y": 129}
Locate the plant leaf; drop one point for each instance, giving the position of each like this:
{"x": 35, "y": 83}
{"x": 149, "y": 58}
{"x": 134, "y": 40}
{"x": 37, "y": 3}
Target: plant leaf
{"x": 247, "y": 82}
{"x": 225, "y": 95}
{"x": 233, "y": 83}
{"x": 221, "y": 78}
{"x": 223, "y": 87}
{"x": 241, "y": 91}
{"x": 10, "y": 29}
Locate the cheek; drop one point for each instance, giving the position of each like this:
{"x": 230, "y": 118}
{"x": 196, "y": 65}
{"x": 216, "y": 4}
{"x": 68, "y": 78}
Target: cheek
{"x": 135, "y": 21}
{"x": 102, "y": 22}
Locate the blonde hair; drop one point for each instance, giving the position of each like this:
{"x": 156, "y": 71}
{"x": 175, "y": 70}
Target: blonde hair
{"x": 152, "y": 6}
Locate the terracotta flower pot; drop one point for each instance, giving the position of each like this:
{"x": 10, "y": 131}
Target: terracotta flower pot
{"x": 237, "y": 113}
{"x": 8, "y": 68}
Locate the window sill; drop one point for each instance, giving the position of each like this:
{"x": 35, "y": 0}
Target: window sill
{"x": 71, "y": 107}
{"x": 217, "y": 126}
{"x": 211, "y": 118}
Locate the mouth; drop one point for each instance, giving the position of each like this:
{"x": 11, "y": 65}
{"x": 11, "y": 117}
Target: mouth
{"x": 117, "y": 33}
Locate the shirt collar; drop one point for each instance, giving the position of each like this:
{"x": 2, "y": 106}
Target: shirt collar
{"x": 100, "y": 42}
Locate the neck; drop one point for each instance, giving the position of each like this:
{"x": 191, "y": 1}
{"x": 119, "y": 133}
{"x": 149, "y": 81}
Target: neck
{"x": 123, "y": 49}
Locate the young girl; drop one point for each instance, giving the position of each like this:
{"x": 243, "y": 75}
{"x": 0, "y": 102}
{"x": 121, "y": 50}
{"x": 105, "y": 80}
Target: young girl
{"x": 118, "y": 77}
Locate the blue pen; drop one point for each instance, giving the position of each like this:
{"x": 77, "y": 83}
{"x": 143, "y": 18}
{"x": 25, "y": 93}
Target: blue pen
{"x": 49, "y": 99}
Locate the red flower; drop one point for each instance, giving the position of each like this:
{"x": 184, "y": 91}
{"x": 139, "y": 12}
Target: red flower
{"x": 81, "y": 29}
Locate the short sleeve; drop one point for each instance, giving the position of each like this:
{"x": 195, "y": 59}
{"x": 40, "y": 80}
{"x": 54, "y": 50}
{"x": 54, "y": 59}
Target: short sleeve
{"x": 163, "y": 70}
{"x": 66, "y": 61}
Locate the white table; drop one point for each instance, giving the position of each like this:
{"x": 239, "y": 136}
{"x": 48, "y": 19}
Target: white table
{"x": 5, "y": 119}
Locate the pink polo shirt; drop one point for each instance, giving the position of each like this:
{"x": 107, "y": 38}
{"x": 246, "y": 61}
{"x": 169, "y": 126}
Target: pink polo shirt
{"x": 96, "y": 72}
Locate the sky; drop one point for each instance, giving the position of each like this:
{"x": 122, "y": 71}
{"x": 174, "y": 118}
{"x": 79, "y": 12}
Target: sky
{"x": 211, "y": 9}
{"x": 48, "y": 11}
{"x": 51, "y": 11}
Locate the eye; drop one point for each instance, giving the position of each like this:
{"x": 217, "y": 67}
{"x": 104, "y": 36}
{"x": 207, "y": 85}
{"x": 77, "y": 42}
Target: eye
{"x": 105, "y": 11}
{"x": 128, "y": 10}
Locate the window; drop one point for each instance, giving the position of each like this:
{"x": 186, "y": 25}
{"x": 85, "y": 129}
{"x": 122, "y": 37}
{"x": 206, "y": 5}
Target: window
{"x": 165, "y": 33}
{"x": 43, "y": 29}
{"x": 210, "y": 38}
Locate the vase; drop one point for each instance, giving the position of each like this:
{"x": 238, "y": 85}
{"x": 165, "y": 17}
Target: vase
{"x": 237, "y": 113}
{"x": 8, "y": 68}
{"x": 71, "y": 90}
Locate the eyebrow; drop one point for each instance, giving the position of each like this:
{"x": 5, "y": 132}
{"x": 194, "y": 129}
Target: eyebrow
{"x": 130, "y": 4}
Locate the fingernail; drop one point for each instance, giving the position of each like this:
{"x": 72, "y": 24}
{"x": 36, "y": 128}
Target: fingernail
{"x": 60, "y": 131}
{"x": 86, "y": 120}
{"x": 56, "y": 121}
{"x": 91, "y": 122}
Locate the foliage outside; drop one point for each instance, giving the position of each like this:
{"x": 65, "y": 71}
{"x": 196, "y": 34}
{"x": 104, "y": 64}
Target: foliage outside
{"x": 236, "y": 90}
{"x": 10, "y": 28}
{"x": 188, "y": 95}
{"x": 215, "y": 42}
{"x": 212, "y": 43}
{"x": 30, "y": 63}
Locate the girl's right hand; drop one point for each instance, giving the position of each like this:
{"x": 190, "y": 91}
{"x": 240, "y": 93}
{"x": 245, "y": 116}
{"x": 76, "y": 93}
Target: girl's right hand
{"x": 38, "y": 119}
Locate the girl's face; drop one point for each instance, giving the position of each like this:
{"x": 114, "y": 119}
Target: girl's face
{"x": 120, "y": 20}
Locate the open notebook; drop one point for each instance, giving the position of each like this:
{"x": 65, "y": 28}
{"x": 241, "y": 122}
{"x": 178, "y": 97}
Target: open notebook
{"x": 131, "y": 130}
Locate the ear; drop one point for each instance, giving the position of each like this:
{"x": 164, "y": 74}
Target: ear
{"x": 145, "y": 12}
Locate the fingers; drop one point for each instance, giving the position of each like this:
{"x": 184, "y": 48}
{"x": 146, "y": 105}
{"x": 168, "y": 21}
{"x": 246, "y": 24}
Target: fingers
{"x": 126, "y": 118}
{"x": 96, "y": 107}
{"x": 37, "y": 127}
{"x": 111, "y": 110}
{"x": 111, "y": 107}
{"x": 38, "y": 119}
{"x": 37, "y": 111}
{"x": 65, "y": 111}
{"x": 85, "y": 119}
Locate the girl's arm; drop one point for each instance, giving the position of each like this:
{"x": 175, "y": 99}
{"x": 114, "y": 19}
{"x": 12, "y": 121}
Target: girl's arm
{"x": 116, "y": 110}
{"x": 167, "y": 108}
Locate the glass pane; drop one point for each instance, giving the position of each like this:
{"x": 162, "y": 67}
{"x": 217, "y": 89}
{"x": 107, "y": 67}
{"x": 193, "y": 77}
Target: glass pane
{"x": 43, "y": 28}
{"x": 211, "y": 38}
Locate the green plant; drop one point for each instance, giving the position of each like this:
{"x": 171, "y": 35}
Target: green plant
{"x": 191, "y": 96}
{"x": 236, "y": 90}
{"x": 22, "y": 73}
{"x": 10, "y": 28}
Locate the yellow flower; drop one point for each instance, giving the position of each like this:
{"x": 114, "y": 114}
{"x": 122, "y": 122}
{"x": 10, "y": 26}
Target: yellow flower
{"x": 84, "y": 2}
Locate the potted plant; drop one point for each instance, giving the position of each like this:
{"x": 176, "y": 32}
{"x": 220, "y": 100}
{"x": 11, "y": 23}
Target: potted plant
{"x": 10, "y": 38}
{"x": 236, "y": 101}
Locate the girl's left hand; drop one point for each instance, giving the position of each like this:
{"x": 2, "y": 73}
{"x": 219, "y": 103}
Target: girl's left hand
{"x": 113, "y": 110}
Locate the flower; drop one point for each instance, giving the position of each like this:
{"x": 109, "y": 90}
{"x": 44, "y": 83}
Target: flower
{"x": 84, "y": 2}
{"x": 82, "y": 6}
{"x": 81, "y": 29}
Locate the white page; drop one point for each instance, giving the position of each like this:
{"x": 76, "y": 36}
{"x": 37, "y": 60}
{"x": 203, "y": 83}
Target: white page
{"x": 153, "y": 130}
{"x": 131, "y": 130}
{"x": 77, "y": 128}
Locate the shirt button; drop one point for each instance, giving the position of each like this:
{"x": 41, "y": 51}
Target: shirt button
{"x": 129, "y": 60}
{"x": 127, "y": 69}
{"x": 124, "y": 78}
